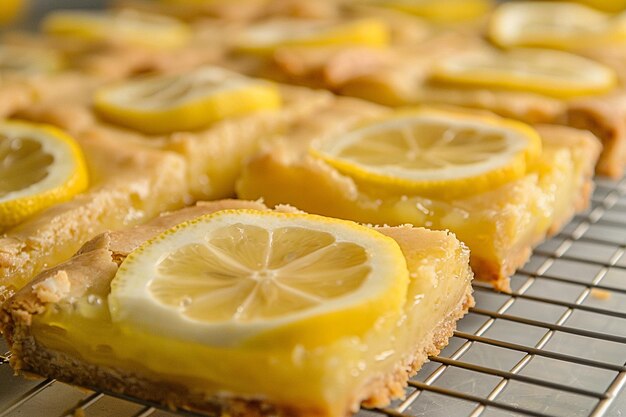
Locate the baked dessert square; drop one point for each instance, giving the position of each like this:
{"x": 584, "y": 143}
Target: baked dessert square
{"x": 369, "y": 182}
{"x": 336, "y": 351}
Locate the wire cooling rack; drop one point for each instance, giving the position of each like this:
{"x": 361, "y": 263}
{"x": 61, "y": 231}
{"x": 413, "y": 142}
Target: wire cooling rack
{"x": 555, "y": 346}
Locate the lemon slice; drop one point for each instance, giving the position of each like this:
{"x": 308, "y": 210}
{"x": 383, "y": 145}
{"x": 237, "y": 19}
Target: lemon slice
{"x": 235, "y": 276}
{"x": 552, "y": 25}
{"x": 449, "y": 11}
{"x": 39, "y": 166}
{"x": 265, "y": 37}
{"x": 554, "y": 73}
{"x": 188, "y": 101}
{"x": 433, "y": 153}
{"x": 125, "y": 27}
{"x": 28, "y": 60}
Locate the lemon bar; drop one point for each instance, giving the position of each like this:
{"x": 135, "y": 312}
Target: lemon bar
{"x": 500, "y": 221}
{"x": 294, "y": 346}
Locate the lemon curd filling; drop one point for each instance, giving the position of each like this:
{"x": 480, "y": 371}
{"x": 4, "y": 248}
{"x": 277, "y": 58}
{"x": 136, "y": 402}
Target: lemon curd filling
{"x": 303, "y": 368}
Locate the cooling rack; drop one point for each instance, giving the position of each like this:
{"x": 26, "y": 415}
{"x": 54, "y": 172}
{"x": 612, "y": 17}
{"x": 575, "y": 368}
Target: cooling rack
{"x": 555, "y": 346}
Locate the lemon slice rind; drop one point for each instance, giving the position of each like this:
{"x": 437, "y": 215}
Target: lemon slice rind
{"x": 380, "y": 294}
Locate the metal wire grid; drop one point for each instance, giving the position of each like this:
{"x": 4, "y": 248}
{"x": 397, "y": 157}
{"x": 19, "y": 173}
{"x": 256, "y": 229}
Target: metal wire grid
{"x": 555, "y": 346}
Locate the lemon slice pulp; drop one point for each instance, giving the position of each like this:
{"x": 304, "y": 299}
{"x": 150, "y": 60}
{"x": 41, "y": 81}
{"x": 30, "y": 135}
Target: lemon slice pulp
{"x": 554, "y": 73}
{"x": 552, "y": 24}
{"x": 448, "y": 11}
{"x": 265, "y": 37}
{"x": 39, "y": 166}
{"x": 236, "y": 275}
{"x": 124, "y": 26}
{"x": 188, "y": 101}
{"x": 433, "y": 153}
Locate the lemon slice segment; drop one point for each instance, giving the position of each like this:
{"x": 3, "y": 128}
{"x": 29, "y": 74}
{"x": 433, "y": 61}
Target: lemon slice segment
{"x": 554, "y": 73}
{"x": 39, "y": 166}
{"x": 28, "y": 60}
{"x": 449, "y": 11}
{"x": 188, "y": 101}
{"x": 552, "y": 25}
{"x": 240, "y": 276}
{"x": 433, "y": 153}
{"x": 123, "y": 26}
{"x": 264, "y": 38}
